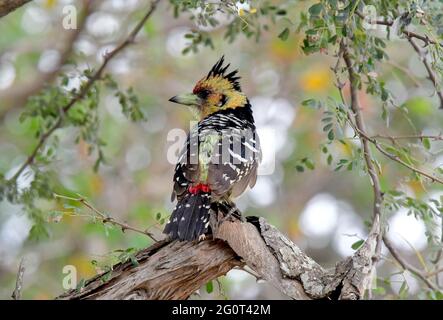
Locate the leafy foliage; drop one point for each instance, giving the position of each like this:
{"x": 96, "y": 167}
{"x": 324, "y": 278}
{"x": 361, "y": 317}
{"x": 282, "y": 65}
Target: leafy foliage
{"x": 49, "y": 109}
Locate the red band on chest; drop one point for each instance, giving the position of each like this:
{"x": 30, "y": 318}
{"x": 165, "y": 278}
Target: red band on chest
{"x": 199, "y": 187}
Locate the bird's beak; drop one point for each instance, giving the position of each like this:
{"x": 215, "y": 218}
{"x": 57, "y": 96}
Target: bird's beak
{"x": 188, "y": 99}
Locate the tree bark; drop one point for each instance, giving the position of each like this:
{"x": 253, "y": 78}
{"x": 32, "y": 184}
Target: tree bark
{"x": 175, "y": 270}
{"x": 166, "y": 270}
{"x": 7, "y": 6}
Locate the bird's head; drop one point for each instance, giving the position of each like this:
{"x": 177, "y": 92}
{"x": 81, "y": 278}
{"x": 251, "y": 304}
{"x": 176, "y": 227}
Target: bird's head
{"x": 217, "y": 91}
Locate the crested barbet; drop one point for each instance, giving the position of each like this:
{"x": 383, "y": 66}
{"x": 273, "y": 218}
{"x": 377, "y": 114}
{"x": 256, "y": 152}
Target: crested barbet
{"x": 220, "y": 157}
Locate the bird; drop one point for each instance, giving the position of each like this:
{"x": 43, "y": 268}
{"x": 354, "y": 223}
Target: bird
{"x": 221, "y": 155}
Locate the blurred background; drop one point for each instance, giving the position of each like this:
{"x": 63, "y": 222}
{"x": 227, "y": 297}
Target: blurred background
{"x": 321, "y": 210}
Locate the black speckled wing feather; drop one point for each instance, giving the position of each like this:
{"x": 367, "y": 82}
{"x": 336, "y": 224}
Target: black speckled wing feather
{"x": 235, "y": 155}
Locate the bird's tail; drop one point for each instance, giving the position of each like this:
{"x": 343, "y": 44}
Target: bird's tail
{"x": 190, "y": 218}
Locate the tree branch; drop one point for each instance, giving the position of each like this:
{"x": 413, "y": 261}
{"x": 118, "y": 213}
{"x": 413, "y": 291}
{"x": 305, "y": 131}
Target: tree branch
{"x": 166, "y": 270}
{"x": 407, "y": 33}
{"x": 7, "y": 6}
{"x": 17, "y": 293}
{"x": 365, "y": 139}
{"x": 106, "y": 218}
{"x": 394, "y": 157}
{"x": 96, "y": 76}
{"x": 175, "y": 270}
{"x": 406, "y": 266}
{"x": 359, "y": 123}
{"x": 428, "y": 68}
{"x": 405, "y": 137}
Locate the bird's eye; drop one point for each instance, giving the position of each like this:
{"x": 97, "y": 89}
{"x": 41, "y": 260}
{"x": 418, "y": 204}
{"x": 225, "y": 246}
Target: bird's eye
{"x": 203, "y": 94}
{"x": 222, "y": 101}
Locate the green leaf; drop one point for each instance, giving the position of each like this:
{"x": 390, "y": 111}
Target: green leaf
{"x": 38, "y": 231}
{"x": 349, "y": 167}
{"x": 299, "y": 168}
{"x": 315, "y": 9}
{"x": 133, "y": 260}
{"x": 357, "y": 244}
{"x": 209, "y": 287}
{"x": 395, "y": 193}
{"x": 327, "y": 127}
{"x": 380, "y": 291}
{"x": 107, "y": 276}
{"x": 329, "y": 160}
{"x": 284, "y": 34}
{"x": 426, "y": 143}
{"x": 309, "y": 164}
{"x": 80, "y": 285}
{"x": 311, "y": 103}
{"x": 403, "y": 292}
{"x": 437, "y": 295}
{"x": 331, "y": 135}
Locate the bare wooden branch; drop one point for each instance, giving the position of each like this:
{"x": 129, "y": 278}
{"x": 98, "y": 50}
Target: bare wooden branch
{"x": 174, "y": 270}
{"x": 16, "y": 295}
{"x": 407, "y": 266}
{"x": 359, "y": 123}
{"x": 166, "y": 270}
{"x": 7, "y": 6}
{"x": 375, "y": 181}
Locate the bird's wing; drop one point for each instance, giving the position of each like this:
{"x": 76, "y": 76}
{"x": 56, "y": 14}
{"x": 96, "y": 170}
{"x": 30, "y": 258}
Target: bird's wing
{"x": 234, "y": 162}
{"x": 187, "y": 168}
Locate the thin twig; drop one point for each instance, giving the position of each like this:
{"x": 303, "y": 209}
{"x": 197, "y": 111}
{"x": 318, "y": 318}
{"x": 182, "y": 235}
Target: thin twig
{"x": 410, "y": 34}
{"x": 406, "y": 266}
{"x": 16, "y": 295}
{"x": 359, "y": 123}
{"x": 96, "y": 76}
{"x": 394, "y": 157}
{"x": 7, "y": 7}
{"x": 105, "y": 218}
{"x": 433, "y": 273}
{"x": 405, "y": 137}
{"x": 428, "y": 68}
{"x": 406, "y": 71}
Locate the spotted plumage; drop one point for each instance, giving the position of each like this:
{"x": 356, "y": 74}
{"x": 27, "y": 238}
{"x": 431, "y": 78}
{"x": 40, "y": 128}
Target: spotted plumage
{"x": 220, "y": 157}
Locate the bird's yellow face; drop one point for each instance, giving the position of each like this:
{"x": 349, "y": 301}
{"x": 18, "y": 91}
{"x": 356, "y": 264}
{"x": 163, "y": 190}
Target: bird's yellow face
{"x": 215, "y": 92}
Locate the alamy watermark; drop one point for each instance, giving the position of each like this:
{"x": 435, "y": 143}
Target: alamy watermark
{"x": 69, "y": 21}
{"x": 70, "y": 279}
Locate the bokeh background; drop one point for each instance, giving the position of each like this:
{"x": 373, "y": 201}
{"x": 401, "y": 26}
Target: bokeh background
{"x": 321, "y": 210}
